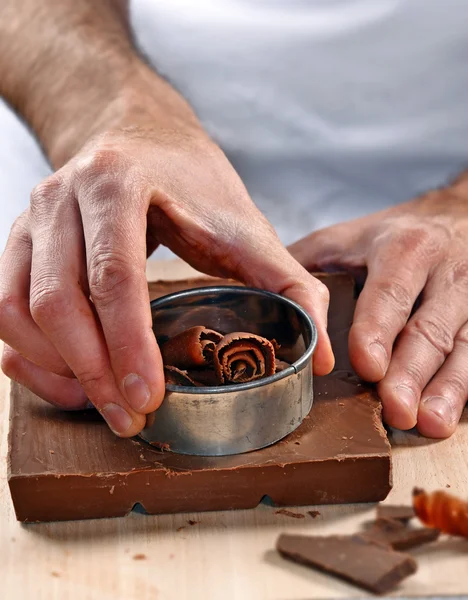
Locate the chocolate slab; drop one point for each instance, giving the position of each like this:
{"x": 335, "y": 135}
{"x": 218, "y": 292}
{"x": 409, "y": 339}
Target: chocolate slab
{"x": 70, "y": 466}
{"x": 399, "y": 536}
{"x": 396, "y": 512}
{"x": 376, "y": 569}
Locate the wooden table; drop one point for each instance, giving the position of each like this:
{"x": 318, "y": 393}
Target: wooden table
{"x": 225, "y": 555}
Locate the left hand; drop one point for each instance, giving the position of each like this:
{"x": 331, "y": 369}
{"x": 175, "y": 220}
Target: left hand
{"x": 418, "y": 354}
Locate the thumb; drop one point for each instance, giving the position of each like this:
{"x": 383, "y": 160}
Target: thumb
{"x": 272, "y": 268}
{"x": 329, "y": 248}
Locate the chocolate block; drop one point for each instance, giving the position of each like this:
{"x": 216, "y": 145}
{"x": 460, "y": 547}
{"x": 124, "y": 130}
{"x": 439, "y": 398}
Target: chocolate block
{"x": 71, "y": 466}
{"x": 349, "y": 557}
{"x": 398, "y": 513}
{"x": 397, "y": 535}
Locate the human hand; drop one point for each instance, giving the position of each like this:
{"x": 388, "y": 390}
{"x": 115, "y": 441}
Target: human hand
{"x": 74, "y": 304}
{"x": 410, "y": 329}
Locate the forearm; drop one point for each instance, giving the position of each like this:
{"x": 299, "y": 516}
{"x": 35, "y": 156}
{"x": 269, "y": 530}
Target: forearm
{"x": 70, "y": 69}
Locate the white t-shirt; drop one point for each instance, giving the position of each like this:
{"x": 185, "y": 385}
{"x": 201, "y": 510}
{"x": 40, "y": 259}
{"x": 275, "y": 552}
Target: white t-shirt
{"x": 329, "y": 109}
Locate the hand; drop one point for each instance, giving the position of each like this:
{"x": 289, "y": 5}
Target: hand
{"x": 410, "y": 329}
{"x": 73, "y": 294}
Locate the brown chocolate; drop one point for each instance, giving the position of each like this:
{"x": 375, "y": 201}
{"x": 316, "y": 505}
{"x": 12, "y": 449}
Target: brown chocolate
{"x": 240, "y": 357}
{"x": 366, "y": 565}
{"x": 191, "y": 348}
{"x": 399, "y": 536}
{"x": 92, "y": 473}
{"x": 176, "y": 376}
{"x": 398, "y": 513}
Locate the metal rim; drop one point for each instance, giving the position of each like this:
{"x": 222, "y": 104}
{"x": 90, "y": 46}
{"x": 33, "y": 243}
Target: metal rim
{"x": 299, "y": 365}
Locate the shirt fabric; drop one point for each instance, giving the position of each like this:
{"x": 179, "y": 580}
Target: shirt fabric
{"x": 328, "y": 109}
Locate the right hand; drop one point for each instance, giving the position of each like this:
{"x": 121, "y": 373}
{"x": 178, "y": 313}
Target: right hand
{"x": 74, "y": 304}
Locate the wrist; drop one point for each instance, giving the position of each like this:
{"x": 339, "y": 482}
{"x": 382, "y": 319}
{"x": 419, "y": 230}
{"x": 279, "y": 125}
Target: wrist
{"x": 144, "y": 100}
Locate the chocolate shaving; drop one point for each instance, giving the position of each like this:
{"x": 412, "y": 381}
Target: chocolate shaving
{"x": 242, "y": 357}
{"x": 191, "y": 348}
{"x": 176, "y": 376}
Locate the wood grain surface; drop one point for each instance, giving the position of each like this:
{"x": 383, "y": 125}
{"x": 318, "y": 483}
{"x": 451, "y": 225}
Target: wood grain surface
{"x": 219, "y": 555}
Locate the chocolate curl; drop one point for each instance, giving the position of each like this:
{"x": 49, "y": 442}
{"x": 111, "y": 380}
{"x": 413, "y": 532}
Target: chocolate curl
{"x": 190, "y": 349}
{"x": 241, "y": 357}
{"x": 175, "y": 376}
{"x": 280, "y": 365}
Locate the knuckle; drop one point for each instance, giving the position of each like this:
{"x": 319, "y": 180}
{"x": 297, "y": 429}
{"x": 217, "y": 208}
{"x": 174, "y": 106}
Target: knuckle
{"x": 109, "y": 277}
{"x": 395, "y": 293}
{"x": 9, "y": 311}
{"x": 434, "y": 333}
{"x": 19, "y": 231}
{"x": 416, "y": 239}
{"x": 9, "y": 363}
{"x": 91, "y": 378}
{"x": 458, "y": 273}
{"x": 47, "y": 303}
{"x": 49, "y": 187}
{"x": 323, "y": 293}
{"x": 455, "y": 386}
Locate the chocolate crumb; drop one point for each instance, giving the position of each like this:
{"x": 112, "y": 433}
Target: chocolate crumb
{"x": 190, "y": 522}
{"x": 139, "y": 557}
{"x": 289, "y": 513}
{"x": 314, "y": 513}
{"x": 447, "y": 485}
{"x": 180, "y": 528}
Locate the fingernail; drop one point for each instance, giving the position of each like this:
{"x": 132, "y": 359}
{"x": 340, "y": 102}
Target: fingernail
{"x": 406, "y": 396}
{"x": 441, "y": 407}
{"x": 136, "y": 392}
{"x": 117, "y": 418}
{"x": 377, "y": 351}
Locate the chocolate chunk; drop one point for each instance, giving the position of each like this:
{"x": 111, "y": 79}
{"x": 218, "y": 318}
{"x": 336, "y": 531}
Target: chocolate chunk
{"x": 366, "y": 565}
{"x": 95, "y": 474}
{"x": 191, "y": 348}
{"x": 398, "y": 513}
{"x": 240, "y": 357}
{"x": 398, "y": 535}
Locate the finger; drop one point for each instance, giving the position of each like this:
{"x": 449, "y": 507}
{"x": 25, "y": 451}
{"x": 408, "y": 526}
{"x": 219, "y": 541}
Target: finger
{"x": 62, "y": 392}
{"x": 263, "y": 262}
{"x": 422, "y": 348}
{"x": 17, "y": 327}
{"x": 63, "y": 312}
{"x": 397, "y": 273}
{"x": 445, "y": 396}
{"x": 114, "y": 220}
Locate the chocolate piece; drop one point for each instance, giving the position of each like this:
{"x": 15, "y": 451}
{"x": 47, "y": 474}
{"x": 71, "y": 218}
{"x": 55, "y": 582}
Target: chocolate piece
{"x": 398, "y": 513}
{"x": 191, "y": 348}
{"x": 95, "y": 474}
{"x": 289, "y": 513}
{"x": 176, "y": 376}
{"x": 240, "y": 357}
{"x": 371, "y": 567}
{"x": 397, "y": 535}
{"x": 281, "y": 365}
